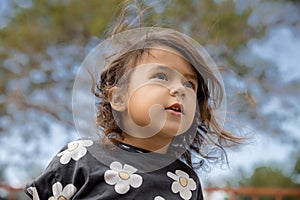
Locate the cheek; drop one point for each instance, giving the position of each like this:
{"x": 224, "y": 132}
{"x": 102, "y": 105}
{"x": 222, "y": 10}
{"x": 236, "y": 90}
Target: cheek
{"x": 140, "y": 103}
{"x": 187, "y": 120}
{"x": 191, "y": 107}
{"x": 138, "y": 111}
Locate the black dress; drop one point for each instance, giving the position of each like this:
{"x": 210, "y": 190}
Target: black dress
{"x": 84, "y": 169}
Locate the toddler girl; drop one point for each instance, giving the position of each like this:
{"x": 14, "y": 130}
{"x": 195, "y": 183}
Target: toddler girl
{"x": 157, "y": 97}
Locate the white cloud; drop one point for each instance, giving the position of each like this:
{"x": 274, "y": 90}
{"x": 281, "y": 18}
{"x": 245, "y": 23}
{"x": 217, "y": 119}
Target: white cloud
{"x": 282, "y": 47}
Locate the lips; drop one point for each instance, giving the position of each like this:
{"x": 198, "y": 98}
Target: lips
{"x": 176, "y": 107}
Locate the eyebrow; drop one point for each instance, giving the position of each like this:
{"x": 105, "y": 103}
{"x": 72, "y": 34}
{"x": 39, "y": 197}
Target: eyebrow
{"x": 166, "y": 68}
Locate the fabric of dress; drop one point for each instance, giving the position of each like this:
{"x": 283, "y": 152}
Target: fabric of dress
{"x": 84, "y": 169}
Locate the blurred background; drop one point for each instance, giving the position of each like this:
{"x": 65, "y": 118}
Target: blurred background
{"x": 255, "y": 44}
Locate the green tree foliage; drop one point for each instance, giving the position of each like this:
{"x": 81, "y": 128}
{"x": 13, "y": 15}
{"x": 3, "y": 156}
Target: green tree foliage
{"x": 42, "y": 47}
{"x": 297, "y": 166}
{"x": 269, "y": 177}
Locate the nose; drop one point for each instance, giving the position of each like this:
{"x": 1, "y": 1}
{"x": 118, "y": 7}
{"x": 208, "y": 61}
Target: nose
{"x": 177, "y": 90}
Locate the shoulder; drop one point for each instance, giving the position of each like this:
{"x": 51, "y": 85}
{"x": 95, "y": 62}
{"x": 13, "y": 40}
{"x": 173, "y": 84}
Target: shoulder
{"x": 182, "y": 166}
{"x": 184, "y": 177}
{"x": 181, "y": 181}
{"x": 68, "y": 171}
{"x": 75, "y": 151}
{"x": 73, "y": 154}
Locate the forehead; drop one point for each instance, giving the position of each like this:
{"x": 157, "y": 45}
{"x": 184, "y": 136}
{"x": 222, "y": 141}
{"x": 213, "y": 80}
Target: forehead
{"x": 168, "y": 57}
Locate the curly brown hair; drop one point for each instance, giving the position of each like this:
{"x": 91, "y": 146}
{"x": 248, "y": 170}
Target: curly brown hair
{"x": 205, "y": 128}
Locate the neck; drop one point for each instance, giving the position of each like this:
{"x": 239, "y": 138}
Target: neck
{"x": 154, "y": 144}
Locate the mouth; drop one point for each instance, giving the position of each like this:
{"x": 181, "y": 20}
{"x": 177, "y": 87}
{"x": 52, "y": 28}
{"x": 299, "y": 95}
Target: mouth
{"x": 176, "y": 108}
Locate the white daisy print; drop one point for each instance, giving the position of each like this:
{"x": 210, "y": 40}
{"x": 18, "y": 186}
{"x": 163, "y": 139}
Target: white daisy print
{"x": 76, "y": 150}
{"x": 182, "y": 184}
{"x": 34, "y": 193}
{"x": 122, "y": 177}
{"x": 60, "y": 193}
{"x": 159, "y": 198}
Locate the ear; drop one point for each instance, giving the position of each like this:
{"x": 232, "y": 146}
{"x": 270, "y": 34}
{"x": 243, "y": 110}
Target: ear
{"x": 117, "y": 99}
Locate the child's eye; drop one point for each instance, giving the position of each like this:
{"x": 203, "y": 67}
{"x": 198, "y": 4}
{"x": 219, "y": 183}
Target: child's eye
{"x": 161, "y": 76}
{"x": 189, "y": 84}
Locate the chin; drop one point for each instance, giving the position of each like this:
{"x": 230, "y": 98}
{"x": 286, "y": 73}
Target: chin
{"x": 171, "y": 132}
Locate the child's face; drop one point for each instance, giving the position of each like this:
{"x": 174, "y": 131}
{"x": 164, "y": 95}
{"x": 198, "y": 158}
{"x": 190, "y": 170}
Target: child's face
{"x": 161, "y": 98}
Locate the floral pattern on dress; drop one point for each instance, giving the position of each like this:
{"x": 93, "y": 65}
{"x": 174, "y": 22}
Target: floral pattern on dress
{"x": 158, "y": 198}
{"x": 122, "y": 177}
{"x": 60, "y": 193}
{"x": 75, "y": 151}
{"x": 182, "y": 183}
{"x": 34, "y": 193}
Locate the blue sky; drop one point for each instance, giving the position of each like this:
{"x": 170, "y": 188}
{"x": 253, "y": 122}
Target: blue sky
{"x": 281, "y": 46}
